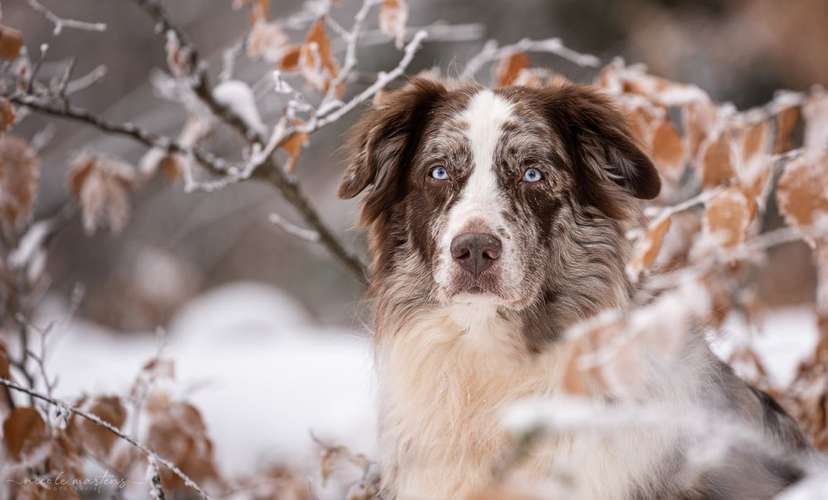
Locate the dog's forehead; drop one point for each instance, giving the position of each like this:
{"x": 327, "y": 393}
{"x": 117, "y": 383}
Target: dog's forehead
{"x": 483, "y": 121}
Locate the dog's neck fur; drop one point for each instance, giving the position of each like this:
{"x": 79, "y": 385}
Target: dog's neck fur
{"x": 446, "y": 373}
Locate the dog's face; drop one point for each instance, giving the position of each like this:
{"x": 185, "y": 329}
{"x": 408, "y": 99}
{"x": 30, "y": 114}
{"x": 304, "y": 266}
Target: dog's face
{"x": 495, "y": 197}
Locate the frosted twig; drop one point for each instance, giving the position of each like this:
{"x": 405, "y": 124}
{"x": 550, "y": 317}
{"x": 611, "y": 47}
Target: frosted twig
{"x": 156, "y": 492}
{"x": 281, "y": 132}
{"x": 786, "y": 234}
{"x": 491, "y": 52}
{"x": 127, "y": 129}
{"x": 699, "y": 199}
{"x": 351, "y": 40}
{"x": 293, "y": 229}
{"x": 200, "y": 82}
{"x": 151, "y": 455}
{"x": 86, "y": 81}
{"x": 437, "y": 32}
{"x": 383, "y": 79}
{"x": 274, "y": 175}
{"x": 60, "y": 22}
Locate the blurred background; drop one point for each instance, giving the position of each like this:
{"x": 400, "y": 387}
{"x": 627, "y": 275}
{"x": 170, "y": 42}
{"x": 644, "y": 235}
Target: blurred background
{"x": 179, "y": 245}
{"x": 268, "y": 332}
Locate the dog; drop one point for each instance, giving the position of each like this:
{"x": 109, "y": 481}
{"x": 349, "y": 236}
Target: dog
{"x": 496, "y": 220}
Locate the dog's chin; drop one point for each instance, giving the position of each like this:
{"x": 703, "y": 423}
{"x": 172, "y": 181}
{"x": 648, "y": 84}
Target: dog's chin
{"x": 477, "y": 296}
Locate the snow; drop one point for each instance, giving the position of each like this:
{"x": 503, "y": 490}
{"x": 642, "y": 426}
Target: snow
{"x": 563, "y": 413}
{"x": 262, "y": 374}
{"x": 786, "y": 336}
{"x": 238, "y": 96}
{"x": 812, "y": 488}
{"x": 265, "y": 376}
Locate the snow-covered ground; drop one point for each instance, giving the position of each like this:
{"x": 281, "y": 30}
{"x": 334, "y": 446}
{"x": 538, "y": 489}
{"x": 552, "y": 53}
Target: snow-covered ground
{"x": 783, "y": 338}
{"x": 263, "y": 375}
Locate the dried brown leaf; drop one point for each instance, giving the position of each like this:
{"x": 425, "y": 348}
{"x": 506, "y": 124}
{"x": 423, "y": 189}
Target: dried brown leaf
{"x": 509, "y": 67}
{"x": 7, "y": 114}
{"x": 786, "y": 123}
{"x": 91, "y": 436}
{"x": 647, "y": 248}
{"x": 258, "y": 9}
{"x": 756, "y": 139}
{"x": 700, "y": 117}
{"x": 178, "y": 433}
{"x": 802, "y": 193}
{"x": 290, "y": 58}
{"x": 172, "y": 166}
{"x": 316, "y": 62}
{"x": 5, "y": 370}
{"x": 101, "y": 186}
{"x": 293, "y": 147}
{"x": 24, "y": 431}
{"x": 754, "y": 143}
{"x": 267, "y": 41}
{"x": 19, "y": 175}
{"x": 659, "y": 90}
{"x": 727, "y": 217}
{"x": 393, "y": 15}
{"x": 717, "y": 162}
{"x": 11, "y": 41}
{"x": 669, "y": 151}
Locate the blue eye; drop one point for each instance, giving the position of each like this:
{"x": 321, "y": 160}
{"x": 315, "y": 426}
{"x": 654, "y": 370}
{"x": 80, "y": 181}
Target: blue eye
{"x": 532, "y": 175}
{"x": 439, "y": 173}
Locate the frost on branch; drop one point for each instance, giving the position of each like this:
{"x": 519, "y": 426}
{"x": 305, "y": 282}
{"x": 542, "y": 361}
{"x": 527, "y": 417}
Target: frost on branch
{"x": 238, "y": 96}
{"x": 268, "y": 41}
{"x": 92, "y": 437}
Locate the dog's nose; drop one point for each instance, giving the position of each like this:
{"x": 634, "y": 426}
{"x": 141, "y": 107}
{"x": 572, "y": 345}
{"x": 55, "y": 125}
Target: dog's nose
{"x": 475, "y": 252}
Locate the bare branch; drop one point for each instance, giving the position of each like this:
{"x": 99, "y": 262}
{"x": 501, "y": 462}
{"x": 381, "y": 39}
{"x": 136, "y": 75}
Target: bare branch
{"x": 61, "y": 23}
{"x": 437, "y": 32}
{"x": 281, "y": 134}
{"x": 86, "y": 81}
{"x": 200, "y": 84}
{"x": 294, "y": 230}
{"x": 491, "y": 52}
{"x": 351, "y": 39}
{"x": 69, "y": 112}
{"x": 273, "y": 172}
{"x": 151, "y": 455}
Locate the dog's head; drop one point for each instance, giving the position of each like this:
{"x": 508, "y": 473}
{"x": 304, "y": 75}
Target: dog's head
{"x": 515, "y": 197}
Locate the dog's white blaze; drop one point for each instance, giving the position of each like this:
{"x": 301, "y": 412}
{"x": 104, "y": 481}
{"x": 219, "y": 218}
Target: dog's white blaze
{"x": 480, "y": 201}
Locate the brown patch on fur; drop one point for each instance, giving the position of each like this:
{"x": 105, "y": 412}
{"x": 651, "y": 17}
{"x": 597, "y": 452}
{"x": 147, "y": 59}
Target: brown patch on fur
{"x": 599, "y": 145}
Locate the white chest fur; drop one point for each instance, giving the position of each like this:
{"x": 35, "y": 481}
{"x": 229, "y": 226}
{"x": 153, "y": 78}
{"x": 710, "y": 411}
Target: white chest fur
{"x": 445, "y": 379}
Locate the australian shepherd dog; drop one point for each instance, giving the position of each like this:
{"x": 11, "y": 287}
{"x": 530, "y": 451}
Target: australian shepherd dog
{"x": 496, "y": 220}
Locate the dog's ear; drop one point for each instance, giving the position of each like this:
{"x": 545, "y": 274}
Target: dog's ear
{"x": 599, "y": 141}
{"x": 384, "y": 141}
